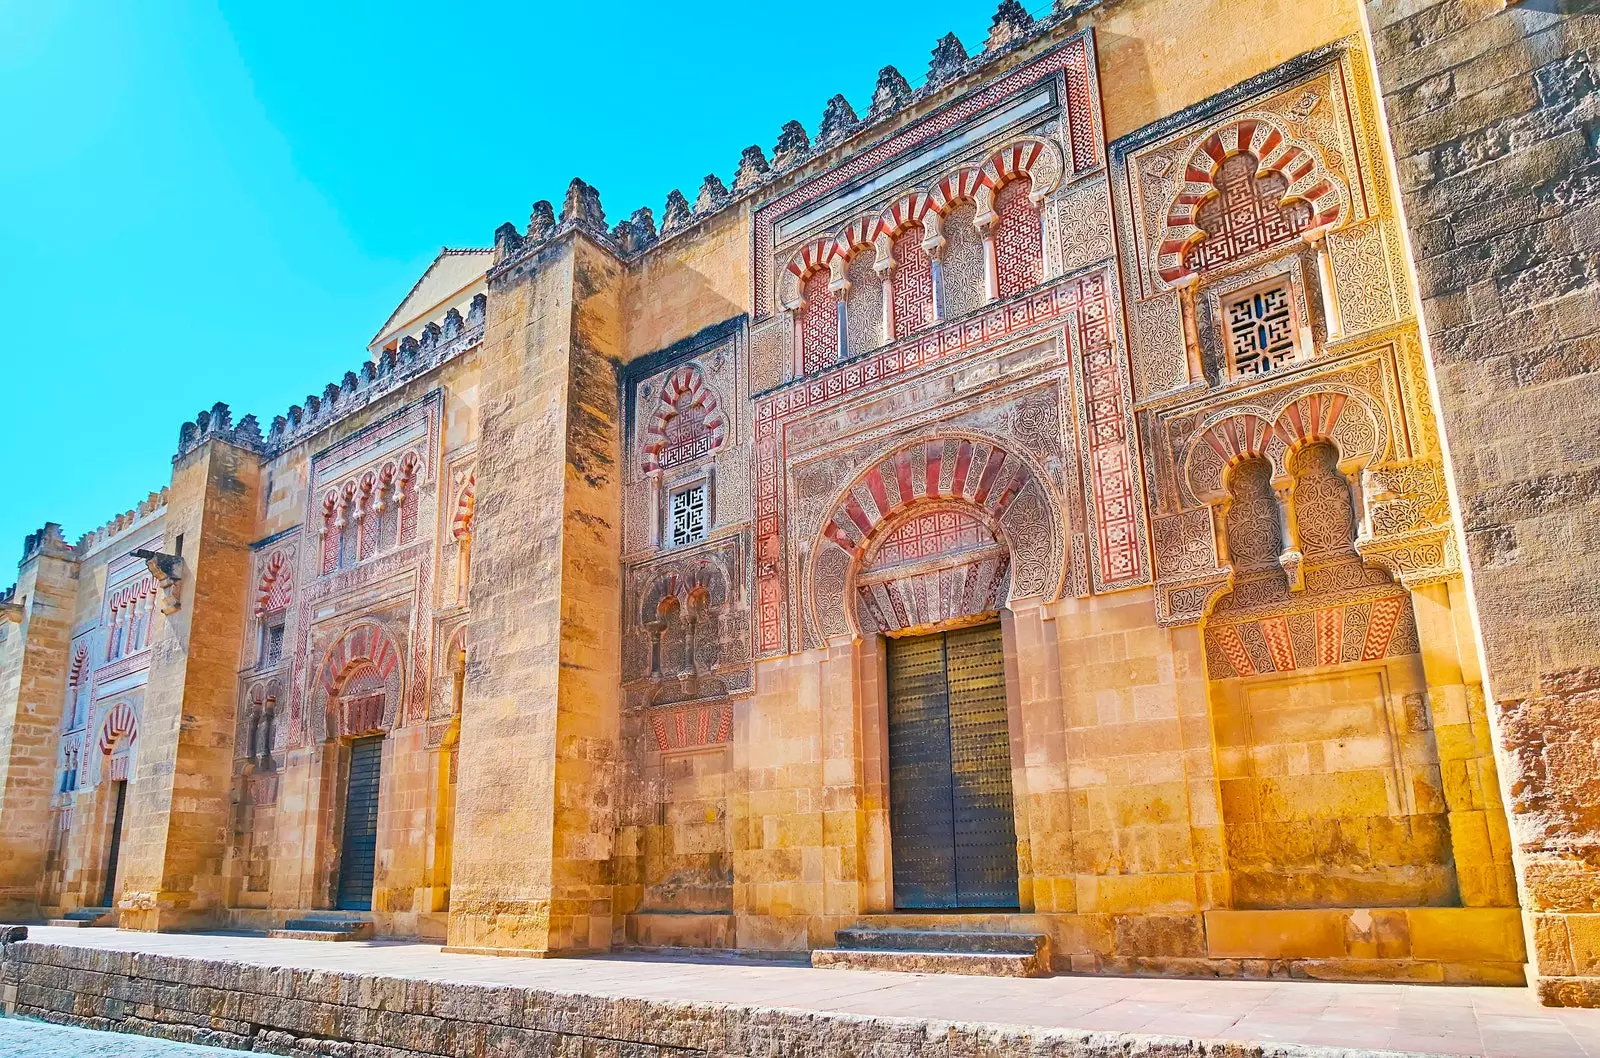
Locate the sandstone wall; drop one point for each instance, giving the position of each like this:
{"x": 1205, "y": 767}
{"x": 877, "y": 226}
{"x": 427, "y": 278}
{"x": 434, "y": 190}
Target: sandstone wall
{"x": 1491, "y": 109}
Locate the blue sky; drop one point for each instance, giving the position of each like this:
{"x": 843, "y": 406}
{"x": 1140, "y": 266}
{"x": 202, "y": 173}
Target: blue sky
{"x": 212, "y": 202}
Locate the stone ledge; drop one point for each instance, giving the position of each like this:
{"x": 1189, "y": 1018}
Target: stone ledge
{"x": 976, "y": 964}
{"x": 298, "y": 1010}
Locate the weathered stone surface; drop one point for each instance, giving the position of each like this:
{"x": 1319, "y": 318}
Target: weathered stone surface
{"x": 1488, "y": 108}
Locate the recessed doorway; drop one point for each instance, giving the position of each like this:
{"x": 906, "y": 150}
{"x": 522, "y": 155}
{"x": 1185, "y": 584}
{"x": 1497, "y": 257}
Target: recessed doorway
{"x": 951, "y": 821}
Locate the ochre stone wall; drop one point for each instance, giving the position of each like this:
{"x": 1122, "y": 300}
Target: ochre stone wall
{"x": 1490, "y": 109}
{"x": 1108, "y": 335}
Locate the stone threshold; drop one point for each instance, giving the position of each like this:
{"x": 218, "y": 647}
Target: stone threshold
{"x": 390, "y": 1000}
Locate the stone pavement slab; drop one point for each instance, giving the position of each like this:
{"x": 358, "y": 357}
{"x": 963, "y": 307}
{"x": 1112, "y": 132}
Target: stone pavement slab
{"x": 35, "y": 1039}
{"x": 1276, "y": 1016}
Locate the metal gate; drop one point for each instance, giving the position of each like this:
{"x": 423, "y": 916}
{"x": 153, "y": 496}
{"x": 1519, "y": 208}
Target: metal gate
{"x": 951, "y": 825}
{"x": 358, "y": 851}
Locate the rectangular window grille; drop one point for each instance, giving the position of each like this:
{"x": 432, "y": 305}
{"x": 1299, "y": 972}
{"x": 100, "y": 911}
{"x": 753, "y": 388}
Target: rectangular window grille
{"x": 688, "y": 515}
{"x": 272, "y": 643}
{"x": 1262, "y": 329}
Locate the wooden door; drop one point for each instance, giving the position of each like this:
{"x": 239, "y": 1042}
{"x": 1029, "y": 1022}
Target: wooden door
{"x": 951, "y": 820}
{"x": 358, "y": 851}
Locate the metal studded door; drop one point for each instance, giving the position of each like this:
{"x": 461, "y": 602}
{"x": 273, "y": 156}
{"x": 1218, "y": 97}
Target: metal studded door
{"x": 951, "y": 824}
{"x": 358, "y": 851}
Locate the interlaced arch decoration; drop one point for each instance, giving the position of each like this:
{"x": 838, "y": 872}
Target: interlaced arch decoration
{"x": 688, "y": 422}
{"x": 1342, "y": 416}
{"x": 1039, "y": 160}
{"x": 1306, "y": 179}
{"x": 364, "y": 663}
{"x": 971, "y": 521}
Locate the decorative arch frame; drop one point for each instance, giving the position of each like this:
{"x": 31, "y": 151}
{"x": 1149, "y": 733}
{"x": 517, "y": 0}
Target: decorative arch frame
{"x": 815, "y": 255}
{"x": 276, "y": 583}
{"x": 1010, "y": 492}
{"x": 363, "y": 644}
{"x": 118, "y": 734}
{"x": 685, "y": 389}
{"x": 1318, "y": 412}
{"x": 1276, "y": 151}
{"x": 466, "y": 509}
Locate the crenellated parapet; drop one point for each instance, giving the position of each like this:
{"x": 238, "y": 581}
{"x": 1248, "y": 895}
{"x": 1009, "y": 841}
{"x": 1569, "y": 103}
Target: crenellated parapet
{"x": 1012, "y": 28}
{"x": 46, "y": 541}
{"x": 150, "y": 505}
{"x": 438, "y": 343}
{"x": 218, "y": 425}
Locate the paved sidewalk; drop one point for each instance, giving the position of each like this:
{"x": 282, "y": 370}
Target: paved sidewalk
{"x": 1430, "y": 1019}
{"x": 34, "y": 1039}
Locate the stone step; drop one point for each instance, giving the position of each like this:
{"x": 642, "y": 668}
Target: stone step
{"x": 933, "y": 940}
{"x": 83, "y": 917}
{"x": 976, "y": 964}
{"x": 322, "y": 929}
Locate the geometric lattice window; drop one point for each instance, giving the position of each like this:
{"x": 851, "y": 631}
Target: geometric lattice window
{"x": 1245, "y": 216}
{"x": 1262, "y": 330}
{"x": 271, "y": 641}
{"x": 689, "y": 515}
{"x": 687, "y": 437}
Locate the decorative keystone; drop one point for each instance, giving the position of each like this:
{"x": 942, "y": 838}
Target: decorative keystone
{"x": 541, "y": 220}
{"x": 713, "y": 193}
{"x": 168, "y": 572}
{"x": 838, "y": 121}
{"x": 891, "y": 93}
{"x": 677, "y": 214}
{"x": 1011, "y": 22}
{"x": 582, "y": 207}
{"x": 793, "y": 146}
{"x": 949, "y": 58}
{"x": 752, "y": 167}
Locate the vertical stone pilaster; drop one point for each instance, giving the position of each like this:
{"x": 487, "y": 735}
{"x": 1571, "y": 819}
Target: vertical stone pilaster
{"x": 1491, "y": 110}
{"x": 37, "y": 629}
{"x": 538, "y": 774}
{"x": 176, "y": 836}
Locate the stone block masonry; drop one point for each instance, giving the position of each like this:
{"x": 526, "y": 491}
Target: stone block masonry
{"x": 1492, "y": 110}
{"x": 409, "y": 1001}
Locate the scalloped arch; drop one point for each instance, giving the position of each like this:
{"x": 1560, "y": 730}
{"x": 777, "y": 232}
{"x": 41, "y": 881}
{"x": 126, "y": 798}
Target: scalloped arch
{"x": 1276, "y": 151}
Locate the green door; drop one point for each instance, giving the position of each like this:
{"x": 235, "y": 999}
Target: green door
{"x": 952, "y": 827}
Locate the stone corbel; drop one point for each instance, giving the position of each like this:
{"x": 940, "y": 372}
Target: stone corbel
{"x": 1317, "y": 238}
{"x": 168, "y": 572}
{"x": 11, "y": 611}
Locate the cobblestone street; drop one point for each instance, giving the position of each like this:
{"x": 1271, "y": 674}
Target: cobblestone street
{"x": 20, "y": 1038}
